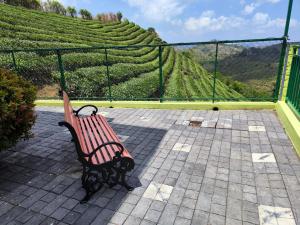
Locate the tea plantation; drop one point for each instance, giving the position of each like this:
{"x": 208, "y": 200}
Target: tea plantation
{"x": 133, "y": 72}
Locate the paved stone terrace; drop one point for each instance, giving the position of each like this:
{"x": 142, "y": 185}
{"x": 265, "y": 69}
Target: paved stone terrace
{"x": 184, "y": 175}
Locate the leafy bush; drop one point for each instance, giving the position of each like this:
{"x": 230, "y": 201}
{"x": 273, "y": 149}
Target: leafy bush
{"x": 16, "y": 108}
{"x": 30, "y": 4}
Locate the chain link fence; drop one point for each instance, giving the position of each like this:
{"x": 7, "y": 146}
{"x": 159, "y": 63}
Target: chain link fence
{"x": 245, "y": 70}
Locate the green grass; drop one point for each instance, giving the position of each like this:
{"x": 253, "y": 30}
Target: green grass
{"x": 133, "y": 72}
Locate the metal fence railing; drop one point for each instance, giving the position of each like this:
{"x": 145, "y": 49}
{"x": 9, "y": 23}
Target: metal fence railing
{"x": 293, "y": 91}
{"x": 239, "y": 70}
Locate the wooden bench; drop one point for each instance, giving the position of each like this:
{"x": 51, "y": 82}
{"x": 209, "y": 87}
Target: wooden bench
{"x": 103, "y": 156}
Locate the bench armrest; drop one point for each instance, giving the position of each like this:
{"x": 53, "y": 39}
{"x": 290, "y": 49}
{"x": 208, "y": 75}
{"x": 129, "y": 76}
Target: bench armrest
{"x": 78, "y": 110}
{"x": 118, "y": 154}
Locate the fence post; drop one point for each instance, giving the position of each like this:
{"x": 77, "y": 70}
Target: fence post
{"x": 62, "y": 71}
{"x": 284, "y": 73}
{"x": 107, "y": 74}
{"x": 215, "y": 71}
{"x": 14, "y": 60}
{"x": 283, "y": 51}
{"x": 161, "y": 80}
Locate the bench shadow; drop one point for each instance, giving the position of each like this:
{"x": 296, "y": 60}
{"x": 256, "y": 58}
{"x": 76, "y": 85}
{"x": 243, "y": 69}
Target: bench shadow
{"x": 46, "y": 165}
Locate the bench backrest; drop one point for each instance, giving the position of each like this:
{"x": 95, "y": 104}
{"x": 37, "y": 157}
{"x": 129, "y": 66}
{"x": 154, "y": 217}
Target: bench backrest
{"x": 72, "y": 119}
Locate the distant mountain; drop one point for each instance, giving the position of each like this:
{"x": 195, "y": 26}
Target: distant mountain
{"x": 252, "y": 63}
{"x": 255, "y": 66}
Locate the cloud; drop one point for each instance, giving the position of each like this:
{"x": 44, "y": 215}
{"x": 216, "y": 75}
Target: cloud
{"x": 159, "y": 10}
{"x": 271, "y": 1}
{"x": 261, "y": 18}
{"x": 208, "y": 21}
{"x": 260, "y": 22}
{"x": 250, "y": 8}
{"x": 263, "y": 21}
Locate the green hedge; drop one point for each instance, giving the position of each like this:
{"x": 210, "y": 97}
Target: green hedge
{"x": 16, "y": 108}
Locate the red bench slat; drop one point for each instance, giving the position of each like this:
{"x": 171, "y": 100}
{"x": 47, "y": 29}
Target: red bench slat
{"x": 103, "y": 121}
{"x": 102, "y": 139}
{"x": 109, "y": 132}
{"x": 88, "y": 147}
{"x": 104, "y": 152}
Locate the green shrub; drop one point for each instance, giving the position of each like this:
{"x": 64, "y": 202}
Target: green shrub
{"x": 16, "y": 108}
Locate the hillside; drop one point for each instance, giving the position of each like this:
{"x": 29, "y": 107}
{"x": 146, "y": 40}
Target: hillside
{"x": 134, "y": 72}
{"x": 255, "y": 66}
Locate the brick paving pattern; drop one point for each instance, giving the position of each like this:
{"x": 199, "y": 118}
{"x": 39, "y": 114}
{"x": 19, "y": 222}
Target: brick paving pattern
{"x": 183, "y": 174}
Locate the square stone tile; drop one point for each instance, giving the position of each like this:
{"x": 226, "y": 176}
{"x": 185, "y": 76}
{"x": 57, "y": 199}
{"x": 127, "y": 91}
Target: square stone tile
{"x": 185, "y": 123}
{"x": 257, "y": 128}
{"x": 198, "y": 119}
{"x": 263, "y": 157}
{"x": 224, "y": 124}
{"x": 182, "y": 147}
{"x": 157, "y": 191}
{"x": 209, "y": 123}
{"x": 123, "y": 137}
{"x": 103, "y": 113}
{"x": 269, "y": 215}
{"x": 145, "y": 119}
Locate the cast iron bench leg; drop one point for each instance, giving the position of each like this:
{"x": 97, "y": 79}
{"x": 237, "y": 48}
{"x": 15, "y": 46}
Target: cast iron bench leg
{"x": 91, "y": 182}
{"x": 123, "y": 181}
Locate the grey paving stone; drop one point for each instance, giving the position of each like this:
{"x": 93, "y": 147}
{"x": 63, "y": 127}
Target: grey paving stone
{"x": 52, "y": 206}
{"x": 131, "y": 220}
{"x": 4, "y": 207}
{"x": 24, "y": 217}
{"x": 200, "y": 217}
{"x": 182, "y": 221}
{"x": 60, "y": 213}
{"x": 216, "y": 219}
{"x": 126, "y": 208}
{"x": 214, "y": 181}
{"x": 152, "y": 215}
{"x": 12, "y": 214}
{"x": 141, "y": 208}
{"x": 169, "y": 214}
{"x": 71, "y": 217}
{"x": 185, "y": 212}
{"x": 118, "y": 218}
{"x": 38, "y": 206}
{"x": 89, "y": 216}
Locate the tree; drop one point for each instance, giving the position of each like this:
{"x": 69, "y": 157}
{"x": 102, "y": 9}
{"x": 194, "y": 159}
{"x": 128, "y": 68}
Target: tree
{"x": 85, "y": 14}
{"x": 100, "y": 17}
{"x": 119, "y": 16}
{"x": 30, "y": 4}
{"x": 151, "y": 30}
{"x": 71, "y": 11}
{"x": 55, "y": 7}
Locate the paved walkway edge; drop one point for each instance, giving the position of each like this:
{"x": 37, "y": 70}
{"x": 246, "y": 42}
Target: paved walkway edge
{"x": 290, "y": 123}
{"x": 166, "y": 105}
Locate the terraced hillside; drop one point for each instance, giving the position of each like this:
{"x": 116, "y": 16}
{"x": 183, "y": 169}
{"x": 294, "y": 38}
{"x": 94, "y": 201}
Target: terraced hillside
{"x": 133, "y": 72}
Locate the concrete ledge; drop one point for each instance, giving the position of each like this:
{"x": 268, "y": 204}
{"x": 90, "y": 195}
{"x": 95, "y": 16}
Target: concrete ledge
{"x": 166, "y": 105}
{"x": 290, "y": 123}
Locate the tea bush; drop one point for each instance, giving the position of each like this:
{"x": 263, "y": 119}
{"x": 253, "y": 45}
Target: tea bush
{"x": 17, "y": 115}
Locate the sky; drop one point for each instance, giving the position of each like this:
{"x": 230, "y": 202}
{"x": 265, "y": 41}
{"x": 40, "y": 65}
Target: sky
{"x": 203, "y": 20}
